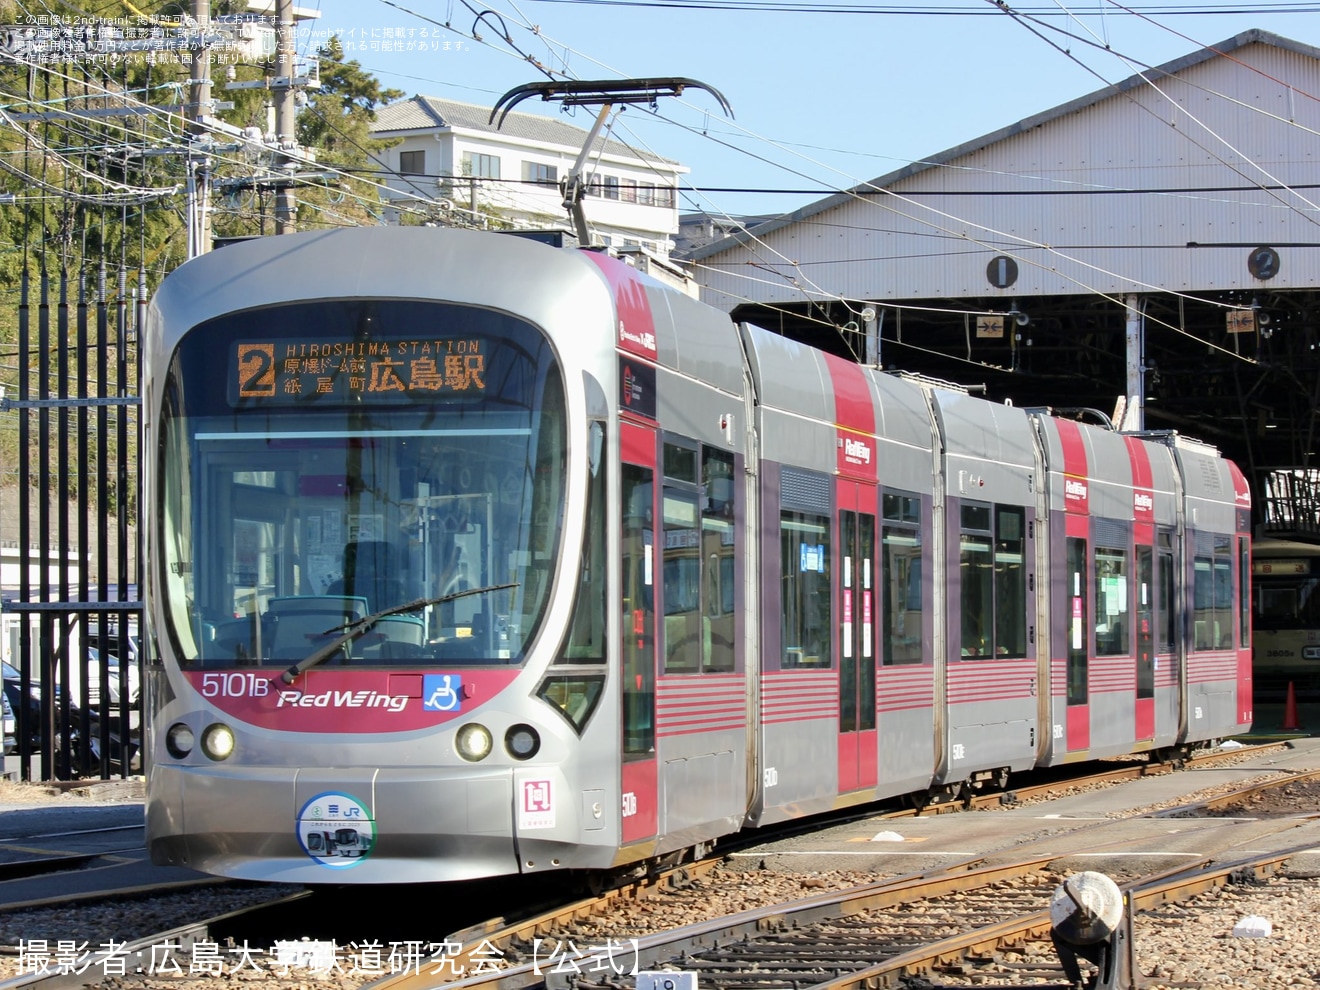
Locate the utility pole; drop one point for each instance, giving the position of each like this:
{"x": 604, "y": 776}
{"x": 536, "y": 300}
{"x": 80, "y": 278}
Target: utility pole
{"x": 285, "y": 133}
{"x": 199, "y": 108}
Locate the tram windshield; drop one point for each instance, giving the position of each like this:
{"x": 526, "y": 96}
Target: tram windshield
{"x": 1285, "y": 633}
{"x": 321, "y": 462}
{"x": 1285, "y": 586}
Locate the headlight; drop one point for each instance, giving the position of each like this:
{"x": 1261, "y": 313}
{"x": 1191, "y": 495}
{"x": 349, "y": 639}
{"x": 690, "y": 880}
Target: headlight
{"x": 179, "y": 740}
{"x": 522, "y": 742}
{"x": 473, "y": 742}
{"x": 218, "y": 741}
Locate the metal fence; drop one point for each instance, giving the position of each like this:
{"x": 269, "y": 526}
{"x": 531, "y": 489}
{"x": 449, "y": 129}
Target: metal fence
{"x": 71, "y": 611}
{"x": 1290, "y": 504}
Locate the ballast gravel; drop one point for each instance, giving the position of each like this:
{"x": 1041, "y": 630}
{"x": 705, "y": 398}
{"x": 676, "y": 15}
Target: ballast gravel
{"x": 1179, "y": 946}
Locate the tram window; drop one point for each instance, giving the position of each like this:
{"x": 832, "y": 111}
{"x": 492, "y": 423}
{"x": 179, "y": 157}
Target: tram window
{"x": 699, "y": 553}
{"x": 1010, "y": 582}
{"x": 1145, "y": 626}
{"x": 459, "y": 468}
{"x": 681, "y": 582}
{"x": 1111, "y": 602}
{"x": 1212, "y": 598}
{"x": 1078, "y": 661}
{"x": 1276, "y": 603}
{"x": 805, "y": 628}
{"x": 1203, "y": 613}
{"x": 1287, "y": 601}
{"x": 992, "y": 569}
{"x": 1165, "y": 610}
{"x": 900, "y": 577}
{"x": 901, "y": 508}
{"x": 717, "y": 544}
{"x": 586, "y": 638}
{"x": 976, "y": 570}
{"x": 1223, "y": 627}
{"x": 976, "y": 517}
{"x": 1244, "y": 592}
{"x": 680, "y": 463}
{"x": 638, "y": 619}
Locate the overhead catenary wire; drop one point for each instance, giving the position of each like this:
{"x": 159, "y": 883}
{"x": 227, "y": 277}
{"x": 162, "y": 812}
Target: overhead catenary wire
{"x": 175, "y": 119}
{"x": 1007, "y": 237}
{"x": 522, "y": 54}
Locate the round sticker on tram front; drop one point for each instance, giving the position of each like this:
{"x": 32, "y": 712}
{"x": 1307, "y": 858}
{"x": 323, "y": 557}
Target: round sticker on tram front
{"x": 336, "y": 830}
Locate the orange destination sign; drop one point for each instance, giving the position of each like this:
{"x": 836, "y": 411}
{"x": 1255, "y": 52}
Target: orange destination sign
{"x": 297, "y": 371}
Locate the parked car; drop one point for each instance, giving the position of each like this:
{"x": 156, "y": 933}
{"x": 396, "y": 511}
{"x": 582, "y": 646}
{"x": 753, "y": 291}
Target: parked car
{"x": 10, "y": 724}
{"x": 112, "y": 675}
{"x": 113, "y": 644}
{"x": 26, "y": 710}
{"x": 27, "y": 722}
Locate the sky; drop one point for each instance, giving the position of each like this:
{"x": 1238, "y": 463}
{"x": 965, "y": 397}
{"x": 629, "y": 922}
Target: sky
{"x": 823, "y": 95}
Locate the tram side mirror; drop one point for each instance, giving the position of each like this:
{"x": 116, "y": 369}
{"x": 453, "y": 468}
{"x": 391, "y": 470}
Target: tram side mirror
{"x": 595, "y": 444}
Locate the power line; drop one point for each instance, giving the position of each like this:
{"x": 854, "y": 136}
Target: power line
{"x": 909, "y": 10}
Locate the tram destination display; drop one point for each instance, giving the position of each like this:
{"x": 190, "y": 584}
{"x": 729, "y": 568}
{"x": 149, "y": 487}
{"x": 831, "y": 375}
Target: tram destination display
{"x": 291, "y": 371}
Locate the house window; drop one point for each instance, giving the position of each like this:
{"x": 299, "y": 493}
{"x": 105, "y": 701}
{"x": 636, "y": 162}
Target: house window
{"x": 664, "y": 196}
{"x": 546, "y": 175}
{"x": 645, "y": 195}
{"x": 609, "y": 186}
{"x": 628, "y": 190}
{"x": 481, "y": 166}
{"x": 412, "y": 162}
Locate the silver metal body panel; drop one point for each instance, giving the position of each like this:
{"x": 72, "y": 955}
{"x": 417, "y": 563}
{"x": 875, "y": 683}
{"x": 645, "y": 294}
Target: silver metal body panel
{"x": 992, "y": 711}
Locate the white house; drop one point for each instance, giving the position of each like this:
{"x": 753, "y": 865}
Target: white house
{"x": 451, "y": 155}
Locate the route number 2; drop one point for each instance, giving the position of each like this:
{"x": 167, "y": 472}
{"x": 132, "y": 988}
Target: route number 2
{"x": 256, "y": 370}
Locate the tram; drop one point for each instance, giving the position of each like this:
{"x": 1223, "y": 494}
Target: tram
{"x": 1285, "y": 645}
{"x": 470, "y": 556}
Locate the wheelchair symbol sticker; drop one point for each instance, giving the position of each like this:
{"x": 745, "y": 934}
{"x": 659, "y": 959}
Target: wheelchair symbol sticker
{"x": 336, "y": 830}
{"x": 442, "y": 693}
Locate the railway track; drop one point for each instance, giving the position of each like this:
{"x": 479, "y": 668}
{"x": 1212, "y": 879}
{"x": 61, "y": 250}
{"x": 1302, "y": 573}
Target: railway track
{"x": 529, "y": 951}
{"x": 969, "y": 899}
{"x": 957, "y": 921}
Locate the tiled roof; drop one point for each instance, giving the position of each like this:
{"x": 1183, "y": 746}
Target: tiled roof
{"x": 420, "y": 113}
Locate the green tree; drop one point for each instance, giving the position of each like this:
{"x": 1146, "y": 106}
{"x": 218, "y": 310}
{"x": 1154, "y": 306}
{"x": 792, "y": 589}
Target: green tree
{"x": 337, "y": 119}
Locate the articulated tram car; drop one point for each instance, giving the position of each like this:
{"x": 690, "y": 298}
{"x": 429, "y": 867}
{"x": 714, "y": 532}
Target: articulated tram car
{"x": 472, "y": 556}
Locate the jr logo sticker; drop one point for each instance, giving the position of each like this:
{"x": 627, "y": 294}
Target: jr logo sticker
{"x": 336, "y": 830}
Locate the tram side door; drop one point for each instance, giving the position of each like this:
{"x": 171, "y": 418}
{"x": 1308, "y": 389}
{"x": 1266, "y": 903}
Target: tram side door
{"x": 856, "y": 581}
{"x": 639, "y": 785}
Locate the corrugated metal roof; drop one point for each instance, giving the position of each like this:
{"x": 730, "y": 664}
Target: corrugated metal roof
{"x": 1173, "y": 68}
{"x": 420, "y": 113}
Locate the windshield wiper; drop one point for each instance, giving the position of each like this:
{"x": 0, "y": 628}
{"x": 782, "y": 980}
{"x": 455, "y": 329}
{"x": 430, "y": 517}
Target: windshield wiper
{"x": 356, "y": 628}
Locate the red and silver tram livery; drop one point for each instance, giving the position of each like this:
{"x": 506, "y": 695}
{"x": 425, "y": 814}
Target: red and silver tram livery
{"x": 471, "y": 556}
